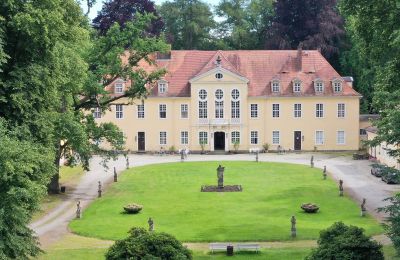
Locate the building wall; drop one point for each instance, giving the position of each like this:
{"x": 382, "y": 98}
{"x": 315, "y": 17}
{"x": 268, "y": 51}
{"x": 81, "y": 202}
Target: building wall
{"x": 381, "y": 154}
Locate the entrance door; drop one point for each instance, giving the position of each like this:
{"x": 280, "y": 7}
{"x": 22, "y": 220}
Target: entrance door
{"x": 297, "y": 140}
{"x": 219, "y": 141}
{"x": 141, "y": 141}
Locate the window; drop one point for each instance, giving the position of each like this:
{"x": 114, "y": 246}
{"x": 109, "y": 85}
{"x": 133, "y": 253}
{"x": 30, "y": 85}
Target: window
{"x": 275, "y": 86}
{"x": 319, "y": 137}
{"x": 297, "y": 110}
{"x": 340, "y": 137}
{"x": 119, "y": 111}
{"x": 319, "y": 110}
{"x": 119, "y": 88}
{"x": 97, "y": 113}
{"x": 337, "y": 86}
{"x": 162, "y": 87}
{"x": 275, "y": 110}
{"x": 276, "y": 137}
{"x": 363, "y": 132}
{"x": 235, "y": 137}
{"x": 203, "y": 138}
{"x": 184, "y": 137}
{"x": 319, "y": 86}
{"x": 202, "y": 109}
{"x": 235, "y": 94}
{"x": 254, "y": 137}
{"x": 296, "y": 86}
{"x": 219, "y": 109}
{"x": 219, "y": 76}
{"x": 235, "y": 109}
{"x": 253, "y": 110}
{"x": 140, "y": 111}
{"x": 341, "y": 110}
{"x": 163, "y": 138}
{"x": 202, "y": 94}
{"x": 163, "y": 110}
{"x": 184, "y": 110}
{"x": 219, "y": 94}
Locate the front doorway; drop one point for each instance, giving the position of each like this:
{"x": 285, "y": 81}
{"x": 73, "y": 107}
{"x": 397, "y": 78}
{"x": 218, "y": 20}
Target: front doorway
{"x": 141, "y": 142}
{"x": 297, "y": 140}
{"x": 219, "y": 141}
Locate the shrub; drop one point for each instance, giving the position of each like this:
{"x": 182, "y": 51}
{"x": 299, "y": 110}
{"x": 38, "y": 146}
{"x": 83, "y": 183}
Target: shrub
{"x": 392, "y": 225}
{"x": 142, "y": 244}
{"x": 266, "y": 147}
{"x": 346, "y": 242}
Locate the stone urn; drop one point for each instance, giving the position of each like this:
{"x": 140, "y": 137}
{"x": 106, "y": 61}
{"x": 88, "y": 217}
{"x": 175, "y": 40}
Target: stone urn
{"x": 133, "y": 208}
{"x": 310, "y": 207}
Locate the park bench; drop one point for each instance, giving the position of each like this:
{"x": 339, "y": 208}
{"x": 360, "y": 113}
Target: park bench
{"x": 218, "y": 246}
{"x": 255, "y": 247}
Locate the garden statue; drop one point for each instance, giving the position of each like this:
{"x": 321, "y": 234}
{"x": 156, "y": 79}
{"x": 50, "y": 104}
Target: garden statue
{"x": 363, "y": 209}
{"x": 220, "y": 175}
{"x": 151, "y": 224}
{"x": 341, "y": 188}
{"x": 182, "y": 155}
{"x": 99, "y": 190}
{"x": 293, "y": 229}
{"x": 127, "y": 162}
{"x": 324, "y": 172}
{"x": 115, "y": 175}
{"x": 312, "y": 161}
{"x": 257, "y": 156}
{"x": 78, "y": 209}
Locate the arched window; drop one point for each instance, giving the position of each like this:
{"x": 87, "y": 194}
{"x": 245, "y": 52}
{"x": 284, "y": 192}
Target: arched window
{"x": 219, "y": 94}
{"x": 235, "y": 94}
{"x": 202, "y": 94}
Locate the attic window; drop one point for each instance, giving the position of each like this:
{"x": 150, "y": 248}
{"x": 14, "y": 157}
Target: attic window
{"x": 319, "y": 86}
{"x": 337, "y": 86}
{"x": 219, "y": 76}
{"x": 162, "y": 87}
{"x": 119, "y": 88}
{"x": 296, "y": 86}
{"x": 275, "y": 86}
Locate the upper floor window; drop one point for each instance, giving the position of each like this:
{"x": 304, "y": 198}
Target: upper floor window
{"x": 235, "y": 109}
{"x": 184, "y": 110}
{"x": 219, "y": 76}
{"x": 297, "y": 110}
{"x": 219, "y": 94}
{"x": 163, "y": 110}
{"x": 319, "y": 110}
{"x": 97, "y": 112}
{"x": 253, "y": 110}
{"x": 319, "y": 86}
{"x": 235, "y": 94}
{"x": 140, "y": 111}
{"x": 275, "y": 110}
{"x": 119, "y": 113}
{"x": 341, "y": 110}
{"x": 219, "y": 109}
{"x": 162, "y": 87}
{"x": 202, "y": 109}
{"x": 119, "y": 88}
{"x": 275, "y": 86}
{"x": 296, "y": 86}
{"x": 337, "y": 86}
{"x": 202, "y": 94}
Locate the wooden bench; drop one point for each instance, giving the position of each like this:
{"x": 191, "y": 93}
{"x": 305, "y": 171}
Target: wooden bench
{"x": 255, "y": 247}
{"x": 218, "y": 246}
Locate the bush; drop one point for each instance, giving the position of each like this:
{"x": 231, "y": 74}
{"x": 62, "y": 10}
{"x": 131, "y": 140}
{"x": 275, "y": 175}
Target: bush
{"x": 346, "y": 242}
{"x": 142, "y": 244}
{"x": 392, "y": 225}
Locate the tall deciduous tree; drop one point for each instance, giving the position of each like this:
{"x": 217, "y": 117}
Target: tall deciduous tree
{"x": 122, "y": 11}
{"x": 188, "y": 23}
{"x": 392, "y": 224}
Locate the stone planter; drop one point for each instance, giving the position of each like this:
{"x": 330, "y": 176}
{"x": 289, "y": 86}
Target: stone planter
{"x": 309, "y": 208}
{"x": 133, "y": 208}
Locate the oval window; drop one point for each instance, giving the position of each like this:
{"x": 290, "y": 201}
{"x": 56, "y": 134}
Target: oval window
{"x": 219, "y": 94}
{"x": 203, "y": 94}
{"x": 235, "y": 94}
{"x": 219, "y": 76}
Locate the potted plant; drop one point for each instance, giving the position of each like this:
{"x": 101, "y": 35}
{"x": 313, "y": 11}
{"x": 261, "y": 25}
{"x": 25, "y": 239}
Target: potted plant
{"x": 133, "y": 208}
{"x": 266, "y": 147}
{"x": 172, "y": 150}
{"x": 203, "y": 146}
{"x": 236, "y": 146}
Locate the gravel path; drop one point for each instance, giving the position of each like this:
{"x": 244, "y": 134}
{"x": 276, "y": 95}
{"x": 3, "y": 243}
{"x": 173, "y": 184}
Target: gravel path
{"x": 358, "y": 182}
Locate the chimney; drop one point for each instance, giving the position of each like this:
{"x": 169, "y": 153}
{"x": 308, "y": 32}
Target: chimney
{"x": 299, "y": 56}
{"x": 349, "y": 80}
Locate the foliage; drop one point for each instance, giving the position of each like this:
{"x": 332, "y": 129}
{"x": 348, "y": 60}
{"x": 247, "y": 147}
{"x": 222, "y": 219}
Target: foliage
{"x": 346, "y": 242}
{"x": 172, "y": 149}
{"x": 122, "y": 11}
{"x": 393, "y": 220}
{"x": 25, "y": 168}
{"x": 141, "y": 244}
{"x": 236, "y": 145}
{"x": 188, "y": 24}
{"x": 266, "y": 147}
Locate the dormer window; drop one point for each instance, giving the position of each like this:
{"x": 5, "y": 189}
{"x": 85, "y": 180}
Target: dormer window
{"x": 162, "y": 87}
{"x": 119, "y": 88}
{"x": 319, "y": 86}
{"x": 296, "y": 86}
{"x": 337, "y": 86}
{"x": 275, "y": 86}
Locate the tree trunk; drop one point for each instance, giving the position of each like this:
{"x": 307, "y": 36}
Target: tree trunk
{"x": 54, "y": 186}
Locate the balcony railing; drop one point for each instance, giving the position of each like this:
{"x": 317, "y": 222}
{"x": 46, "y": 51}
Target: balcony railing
{"x": 219, "y": 121}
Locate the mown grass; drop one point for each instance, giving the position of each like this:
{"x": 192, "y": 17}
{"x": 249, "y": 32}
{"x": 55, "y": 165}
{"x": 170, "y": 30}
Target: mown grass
{"x": 272, "y": 193}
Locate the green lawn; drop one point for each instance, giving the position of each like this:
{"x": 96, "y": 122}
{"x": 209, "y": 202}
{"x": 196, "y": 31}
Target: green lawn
{"x": 272, "y": 193}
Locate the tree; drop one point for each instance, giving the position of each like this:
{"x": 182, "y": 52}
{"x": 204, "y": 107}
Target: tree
{"x": 141, "y": 244}
{"x": 122, "y": 11}
{"x": 314, "y": 24}
{"x": 188, "y": 24}
{"x": 393, "y": 220}
{"x": 346, "y": 242}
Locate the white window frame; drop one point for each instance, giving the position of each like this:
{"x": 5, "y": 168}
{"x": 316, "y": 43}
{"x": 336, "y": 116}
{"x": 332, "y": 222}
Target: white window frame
{"x": 341, "y": 110}
{"x": 97, "y": 113}
{"x": 319, "y": 86}
{"x": 162, "y": 87}
{"x": 319, "y": 110}
{"x": 219, "y": 109}
{"x": 275, "y": 86}
{"x": 254, "y": 139}
{"x": 184, "y": 137}
{"x": 253, "y": 110}
{"x": 337, "y": 86}
{"x": 276, "y": 137}
{"x": 235, "y": 108}
{"x": 119, "y": 87}
{"x": 119, "y": 111}
{"x": 163, "y": 138}
{"x": 203, "y": 109}
{"x": 319, "y": 140}
{"x": 235, "y": 137}
{"x": 184, "y": 111}
{"x": 203, "y": 94}
{"x": 276, "y": 110}
{"x": 297, "y": 110}
{"x": 338, "y": 138}
{"x": 162, "y": 108}
{"x": 203, "y": 136}
{"x": 140, "y": 111}
{"x": 296, "y": 86}
{"x": 235, "y": 94}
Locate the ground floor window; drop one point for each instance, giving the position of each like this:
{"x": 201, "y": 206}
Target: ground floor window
{"x": 340, "y": 137}
{"x": 275, "y": 137}
{"x": 163, "y": 138}
{"x": 254, "y": 137}
{"x": 184, "y": 137}
{"x": 97, "y": 112}
{"x": 203, "y": 138}
{"x": 235, "y": 137}
{"x": 319, "y": 137}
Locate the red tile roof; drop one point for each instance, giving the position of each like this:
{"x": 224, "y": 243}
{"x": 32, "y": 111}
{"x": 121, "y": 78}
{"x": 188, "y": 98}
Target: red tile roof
{"x": 258, "y": 66}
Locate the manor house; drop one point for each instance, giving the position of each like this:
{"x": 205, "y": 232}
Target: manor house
{"x": 241, "y": 100}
